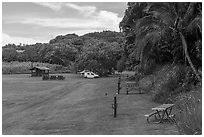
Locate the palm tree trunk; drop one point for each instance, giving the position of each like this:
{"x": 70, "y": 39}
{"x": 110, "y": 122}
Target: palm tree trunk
{"x": 188, "y": 57}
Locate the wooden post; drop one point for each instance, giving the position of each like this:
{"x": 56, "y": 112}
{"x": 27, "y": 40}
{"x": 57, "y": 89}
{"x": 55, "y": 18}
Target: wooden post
{"x": 118, "y": 88}
{"x": 114, "y": 106}
{"x": 119, "y": 85}
{"x": 127, "y": 88}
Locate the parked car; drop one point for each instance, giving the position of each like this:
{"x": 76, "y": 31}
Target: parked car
{"x": 82, "y": 72}
{"x": 90, "y": 75}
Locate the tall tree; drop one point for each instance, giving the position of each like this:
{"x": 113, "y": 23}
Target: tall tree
{"x": 174, "y": 21}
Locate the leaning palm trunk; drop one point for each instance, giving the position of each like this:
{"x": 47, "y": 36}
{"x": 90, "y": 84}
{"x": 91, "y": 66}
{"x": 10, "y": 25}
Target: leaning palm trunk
{"x": 187, "y": 56}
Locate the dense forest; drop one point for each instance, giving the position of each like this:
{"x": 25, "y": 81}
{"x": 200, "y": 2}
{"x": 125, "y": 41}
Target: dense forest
{"x": 98, "y": 51}
{"x": 163, "y": 33}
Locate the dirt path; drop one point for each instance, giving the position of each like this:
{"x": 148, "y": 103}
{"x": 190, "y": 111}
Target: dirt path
{"x": 75, "y": 106}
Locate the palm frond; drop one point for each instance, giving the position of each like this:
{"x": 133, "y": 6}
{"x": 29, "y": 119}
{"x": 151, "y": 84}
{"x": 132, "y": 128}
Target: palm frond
{"x": 163, "y": 11}
{"x": 146, "y": 25}
{"x": 189, "y": 13}
{"x": 145, "y": 21}
{"x": 194, "y": 24}
{"x": 150, "y": 40}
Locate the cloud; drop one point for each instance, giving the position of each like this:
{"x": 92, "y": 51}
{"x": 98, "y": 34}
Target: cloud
{"x": 101, "y": 20}
{"x": 104, "y": 21}
{"x": 109, "y": 20}
{"x": 56, "y": 6}
{"x": 85, "y": 10}
{"x": 59, "y": 22}
{"x": 52, "y": 5}
{"x": 89, "y": 17}
{"x": 6, "y": 39}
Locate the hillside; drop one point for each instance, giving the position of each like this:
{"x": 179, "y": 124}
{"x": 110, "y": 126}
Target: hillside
{"x": 90, "y": 51}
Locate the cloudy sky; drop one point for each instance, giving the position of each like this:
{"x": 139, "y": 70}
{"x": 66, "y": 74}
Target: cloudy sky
{"x": 39, "y": 22}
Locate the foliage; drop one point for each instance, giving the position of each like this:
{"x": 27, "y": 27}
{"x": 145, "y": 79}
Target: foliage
{"x": 98, "y": 51}
{"x": 168, "y": 82}
{"x": 154, "y": 29}
{"x": 9, "y": 54}
{"x": 99, "y": 57}
{"x": 190, "y": 106}
{"x": 121, "y": 64}
{"x": 107, "y": 36}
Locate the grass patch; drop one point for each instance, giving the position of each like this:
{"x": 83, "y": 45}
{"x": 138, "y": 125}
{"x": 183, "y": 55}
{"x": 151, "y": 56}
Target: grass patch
{"x": 23, "y": 67}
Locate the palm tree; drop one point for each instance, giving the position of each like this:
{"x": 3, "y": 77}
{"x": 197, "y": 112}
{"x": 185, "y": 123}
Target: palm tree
{"x": 178, "y": 19}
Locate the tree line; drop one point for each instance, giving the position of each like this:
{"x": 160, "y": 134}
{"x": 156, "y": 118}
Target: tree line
{"x": 98, "y": 51}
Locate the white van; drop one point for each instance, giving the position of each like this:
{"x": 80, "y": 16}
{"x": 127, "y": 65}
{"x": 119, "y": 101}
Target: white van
{"x": 90, "y": 75}
{"x": 82, "y": 72}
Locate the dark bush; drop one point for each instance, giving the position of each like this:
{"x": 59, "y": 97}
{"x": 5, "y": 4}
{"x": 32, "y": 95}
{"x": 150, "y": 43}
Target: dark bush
{"x": 169, "y": 79}
{"x": 46, "y": 77}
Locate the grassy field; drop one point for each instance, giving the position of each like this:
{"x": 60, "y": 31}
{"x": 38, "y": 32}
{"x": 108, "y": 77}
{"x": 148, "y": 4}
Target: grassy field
{"x": 76, "y": 106}
{"x": 16, "y": 67}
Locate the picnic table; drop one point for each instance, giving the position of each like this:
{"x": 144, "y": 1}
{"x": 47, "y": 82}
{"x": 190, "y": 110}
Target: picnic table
{"x": 53, "y": 77}
{"x": 161, "y": 113}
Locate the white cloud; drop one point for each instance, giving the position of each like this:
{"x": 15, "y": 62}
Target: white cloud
{"x": 90, "y": 18}
{"x": 102, "y": 20}
{"x": 85, "y": 10}
{"x": 52, "y": 5}
{"x": 109, "y": 20}
{"x": 56, "y": 6}
{"x": 6, "y": 39}
{"x": 59, "y": 22}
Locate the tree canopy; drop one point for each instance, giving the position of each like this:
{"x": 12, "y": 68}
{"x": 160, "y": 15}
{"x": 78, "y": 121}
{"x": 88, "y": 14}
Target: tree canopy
{"x": 98, "y": 51}
{"x": 165, "y": 32}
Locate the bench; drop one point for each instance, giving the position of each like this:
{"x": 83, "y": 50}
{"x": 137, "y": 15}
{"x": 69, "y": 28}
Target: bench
{"x": 59, "y": 77}
{"x": 132, "y": 85}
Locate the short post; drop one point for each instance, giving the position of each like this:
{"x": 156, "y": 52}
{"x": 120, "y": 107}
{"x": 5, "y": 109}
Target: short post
{"x": 119, "y": 85}
{"x": 127, "y": 88}
{"x": 118, "y": 88}
{"x": 114, "y": 106}
{"x": 119, "y": 78}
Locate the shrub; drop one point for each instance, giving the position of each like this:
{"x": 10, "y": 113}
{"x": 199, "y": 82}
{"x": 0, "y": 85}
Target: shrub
{"x": 168, "y": 79}
{"x": 149, "y": 67}
{"x": 121, "y": 64}
{"x": 190, "y": 120}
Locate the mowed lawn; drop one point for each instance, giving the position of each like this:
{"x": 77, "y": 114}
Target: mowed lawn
{"x": 75, "y": 106}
